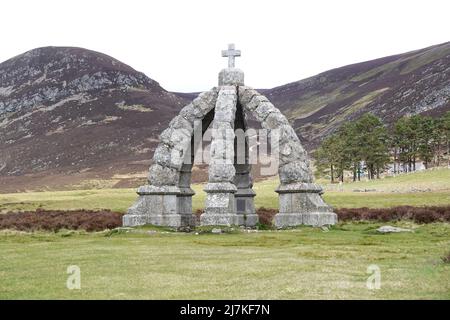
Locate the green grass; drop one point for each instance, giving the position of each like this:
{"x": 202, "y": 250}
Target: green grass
{"x": 114, "y": 199}
{"x": 386, "y": 200}
{"x": 438, "y": 181}
{"x": 304, "y": 263}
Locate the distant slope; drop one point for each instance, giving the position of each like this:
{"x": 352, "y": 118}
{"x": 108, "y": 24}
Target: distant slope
{"x": 68, "y": 115}
{"x": 69, "y": 110}
{"x": 410, "y": 83}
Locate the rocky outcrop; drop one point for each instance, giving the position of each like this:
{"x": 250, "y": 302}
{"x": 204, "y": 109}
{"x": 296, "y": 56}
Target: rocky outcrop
{"x": 45, "y": 76}
{"x": 66, "y": 110}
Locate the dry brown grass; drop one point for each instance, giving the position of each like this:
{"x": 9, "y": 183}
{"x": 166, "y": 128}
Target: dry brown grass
{"x": 416, "y": 214}
{"x": 57, "y": 220}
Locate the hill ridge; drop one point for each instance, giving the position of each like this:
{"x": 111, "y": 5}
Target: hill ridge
{"x": 68, "y": 113}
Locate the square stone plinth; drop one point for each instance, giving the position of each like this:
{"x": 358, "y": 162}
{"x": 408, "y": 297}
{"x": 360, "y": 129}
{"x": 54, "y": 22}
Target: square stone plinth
{"x": 220, "y": 207}
{"x": 231, "y": 77}
{"x": 162, "y": 206}
{"x": 245, "y": 206}
{"x": 302, "y": 204}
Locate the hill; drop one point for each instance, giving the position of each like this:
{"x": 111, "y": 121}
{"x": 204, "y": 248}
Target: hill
{"x": 67, "y": 114}
{"x": 416, "y": 82}
{"x": 71, "y": 116}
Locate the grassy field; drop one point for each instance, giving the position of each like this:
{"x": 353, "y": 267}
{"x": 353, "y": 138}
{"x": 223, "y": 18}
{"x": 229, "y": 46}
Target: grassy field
{"x": 436, "y": 182}
{"x": 303, "y": 263}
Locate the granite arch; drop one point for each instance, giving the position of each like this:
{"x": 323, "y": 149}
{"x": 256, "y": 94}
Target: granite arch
{"x": 167, "y": 198}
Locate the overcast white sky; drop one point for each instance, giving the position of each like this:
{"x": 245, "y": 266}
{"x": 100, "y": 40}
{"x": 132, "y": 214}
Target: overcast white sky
{"x": 178, "y": 43}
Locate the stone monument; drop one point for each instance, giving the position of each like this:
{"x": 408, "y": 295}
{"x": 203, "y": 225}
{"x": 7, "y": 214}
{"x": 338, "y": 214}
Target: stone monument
{"x": 167, "y": 198}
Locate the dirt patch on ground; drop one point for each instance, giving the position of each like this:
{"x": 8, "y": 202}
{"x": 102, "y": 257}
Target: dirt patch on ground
{"x": 57, "y": 220}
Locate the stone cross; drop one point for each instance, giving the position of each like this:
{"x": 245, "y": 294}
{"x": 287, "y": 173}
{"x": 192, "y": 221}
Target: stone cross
{"x": 231, "y": 53}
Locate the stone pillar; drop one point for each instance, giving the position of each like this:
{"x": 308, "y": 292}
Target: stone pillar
{"x": 220, "y": 206}
{"x": 186, "y": 193}
{"x": 244, "y": 195}
{"x": 158, "y": 206}
{"x": 167, "y": 198}
{"x": 300, "y": 200}
{"x": 301, "y": 203}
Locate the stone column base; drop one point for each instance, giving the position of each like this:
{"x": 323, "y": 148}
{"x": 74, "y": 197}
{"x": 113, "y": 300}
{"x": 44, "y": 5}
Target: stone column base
{"x": 161, "y": 206}
{"x": 227, "y": 219}
{"x": 220, "y": 206}
{"x": 168, "y": 220}
{"x": 310, "y": 219}
{"x": 249, "y": 219}
{"x": 245, "y": 206}
{"x": 301, "y": 203}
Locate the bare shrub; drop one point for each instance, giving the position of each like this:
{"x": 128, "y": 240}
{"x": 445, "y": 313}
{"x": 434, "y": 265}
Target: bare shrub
{"x": 57, "y": 219}
{"x": 417, "y": 214}
{"x": 266, "y": 215}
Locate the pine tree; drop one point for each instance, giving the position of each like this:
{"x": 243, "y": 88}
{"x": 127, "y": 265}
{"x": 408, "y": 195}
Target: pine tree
{"x": 373, "y": 144}
{"x": 363, "y": 140}
{"x": 329, "y": 156}
{"x": 406, "y": 137}
{"x": 446, "y": 134}
{"x": 426, "y": 139}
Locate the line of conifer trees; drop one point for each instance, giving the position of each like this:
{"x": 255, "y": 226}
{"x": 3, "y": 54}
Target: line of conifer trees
{"x": 368, "y": 147}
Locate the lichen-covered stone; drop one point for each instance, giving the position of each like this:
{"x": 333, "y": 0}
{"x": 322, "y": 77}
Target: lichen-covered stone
{"x": 296, "y": 171}
{"x": 290, "y": 151}
{"x": 213, "y": 187}
{"x": 301, "y": 203}
{"x": 163, "y": 176}
{"x": 226, "y": 100}
{"x": 204, "y": 103}
{"x": 158, "y": 209}
{"x": 274, "y": 120}
{"x": 231, "y": 76}
{"x": 246, "y": 94}
{"x": 222, "y": 151}
{"x": 263, "y": 110}
{"x": 223, "y": 116}
{"x": 287, "y": 133}
{"x": 220, "y": 205}
{"x": 169, "y": 157}
{"x": 191, "y": 114}
{"x": 222, "y": 129}
{"x": 221, "y": 168}
{"x": 162, "y": 155}
{"x": 221, "y": 172}
{"x": 179, "y": 122}
{"x": 255, "y": 102}
{"x": 152, "y": 189}
{"x": 176, "y": 138}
